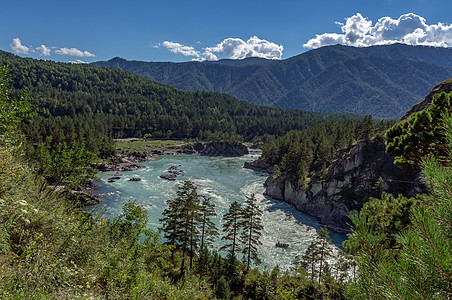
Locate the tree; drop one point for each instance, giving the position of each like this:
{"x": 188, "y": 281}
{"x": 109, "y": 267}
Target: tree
{"x": 365, "y": 128}
{"x": 232, "y": 227}
{"x": 423, "y": 268}
{"x": 13, "y": 108}
{"x": 251, "y": 224}
{"x": 222, "y": 290}
{"x": 64, "y": 165}
{"x": 315, "y": 258}
{"x": 180, "y": 219}
{"x": 421, "y": 134}
{"x": 12, "y": 111}
{"x": 208, "y": 228}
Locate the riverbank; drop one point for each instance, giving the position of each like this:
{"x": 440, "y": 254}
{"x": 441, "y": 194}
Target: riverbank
{"x": 132, "y": 151}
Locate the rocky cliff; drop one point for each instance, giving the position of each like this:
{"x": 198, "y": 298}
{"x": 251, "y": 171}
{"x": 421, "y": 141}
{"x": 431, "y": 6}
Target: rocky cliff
{"x": 445, "y": 86}
{"x": 350, "y": 180}
{"x": 224, "y": 149}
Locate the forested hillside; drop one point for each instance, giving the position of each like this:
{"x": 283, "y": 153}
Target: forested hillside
{"x": 383, "y": 81}
{"x": 91, "y": 104}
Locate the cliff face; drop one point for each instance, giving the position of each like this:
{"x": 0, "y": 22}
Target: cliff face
{"x": 445, "y": 86}
{"x": 349, "y": 181}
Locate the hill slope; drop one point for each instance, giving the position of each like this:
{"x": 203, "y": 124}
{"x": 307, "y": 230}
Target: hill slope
{"x": 384, "y": 81}
{"x": 123, "y": 104}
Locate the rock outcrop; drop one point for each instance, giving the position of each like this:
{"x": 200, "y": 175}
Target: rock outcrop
{"x": 445, "y": 86}
{"x": 224, "y": 149}
{"x": 259, "y": 165}
{"x": 350, "y": 180}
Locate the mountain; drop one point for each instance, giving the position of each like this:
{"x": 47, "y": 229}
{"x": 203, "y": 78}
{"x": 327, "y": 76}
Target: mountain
{"x": 384, "y": 81}
{"x": 84, "y": 102}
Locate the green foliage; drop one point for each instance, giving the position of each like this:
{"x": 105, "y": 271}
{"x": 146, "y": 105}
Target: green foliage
{"x": 208, "y": 229}
{"x": 422, "y": 268}
{"x": 421, "y": 134}
{"x": 251, "y": 225}
{"x": 231, "y": 228}
{"x": 300, "y": 155}
{"x": 222, "y": 290}
{"x": 84, "y": 103}
{"x": 387, "y": 216}
{"x": 13, "y": 108}
{"x": 314, "y": 260}
{"x": 64, "y": 165}
{"x": 180, "y": 221}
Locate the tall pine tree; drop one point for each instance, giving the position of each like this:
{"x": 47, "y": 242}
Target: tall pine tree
{"x": 232, "y": 228}
{"x": 251, "y": 224}
{"x": 207, "y": 227}
{"x": 180, "y": 220}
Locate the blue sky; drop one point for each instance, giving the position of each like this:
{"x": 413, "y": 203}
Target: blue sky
{"x": 181, "y": 30}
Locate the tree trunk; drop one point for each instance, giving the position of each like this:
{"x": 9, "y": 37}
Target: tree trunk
{"x": 249, "y": 244}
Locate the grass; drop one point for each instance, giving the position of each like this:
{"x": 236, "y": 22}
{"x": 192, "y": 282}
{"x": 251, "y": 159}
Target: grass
{"x": 141, "y": 145}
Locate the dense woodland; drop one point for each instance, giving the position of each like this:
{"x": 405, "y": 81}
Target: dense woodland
{"x": 84, "y": 103}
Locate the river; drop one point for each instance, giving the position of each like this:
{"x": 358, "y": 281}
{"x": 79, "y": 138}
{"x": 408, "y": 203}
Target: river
{"x": 223, "y": 179}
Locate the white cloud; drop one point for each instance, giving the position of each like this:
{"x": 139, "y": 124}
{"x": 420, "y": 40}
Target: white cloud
{"x": 78, "y": 61}
{"x": 43, "y": 50}
{"x": 180, "y": 49}
{"x": 409, "y": 29}
{"x": 236, "y": 48}
{"x": 18, "y": 48}
{"x": 73, "y": 52}
{"x": 233, "y": 48}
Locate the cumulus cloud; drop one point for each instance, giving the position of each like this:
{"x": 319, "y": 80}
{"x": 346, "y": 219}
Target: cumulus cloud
{"x": 43, "y": 50}
{"x": 408, "y": 29}
{"x": 18, "y": 48}
{"x": 78, "y": 61}
{"x": 180, "y": 49}
{"x": 74, "y": 52}
{"x": 233, "y": 48}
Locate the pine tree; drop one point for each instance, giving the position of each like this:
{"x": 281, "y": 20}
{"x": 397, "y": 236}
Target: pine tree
{"x": 310, "y": 259}
{"x": 252, "y": 230}
{"x": 317, "y": 253}
{"x": 421, "y": 134}
{"x": 324, "y": 249}
{"x": 232, "y": 228}
{"x": 207, "y": 228}
{"x": 180, "y": 220}
{"x": 423, "y": 267}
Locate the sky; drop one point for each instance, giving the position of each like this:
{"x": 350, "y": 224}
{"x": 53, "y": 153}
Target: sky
{"x": 180, "y": 30}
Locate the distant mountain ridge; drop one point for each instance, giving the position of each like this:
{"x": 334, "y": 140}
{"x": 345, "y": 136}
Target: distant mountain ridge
{"x": 384, "y": 81}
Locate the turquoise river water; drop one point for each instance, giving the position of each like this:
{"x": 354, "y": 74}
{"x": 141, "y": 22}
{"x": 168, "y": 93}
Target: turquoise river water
{"x": 223, "y": 179}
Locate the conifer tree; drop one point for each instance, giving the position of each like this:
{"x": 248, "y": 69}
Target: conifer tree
{"x": 251, "y": 230}
{"x": 324, "y": 249}
{"x": 315, "y": 258}
{"x": 310, "y": 259}
{"x": 232, "y": 227}
{"x": 423, "y": 267}
{"x": 180, "y": 219}
{"x": 207, "y": 227}
{"x": 421, "y": 134}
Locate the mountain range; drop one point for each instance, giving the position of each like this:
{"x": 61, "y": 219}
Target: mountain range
{"x": 383, "y": 81}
